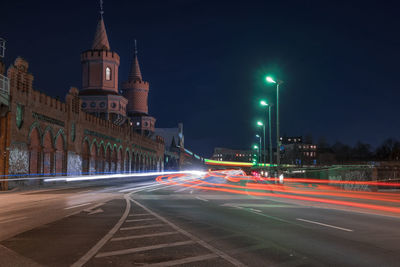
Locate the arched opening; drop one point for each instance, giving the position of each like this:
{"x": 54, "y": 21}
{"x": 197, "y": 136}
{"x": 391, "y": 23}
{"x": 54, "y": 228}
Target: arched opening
{"x": 133, "y": 162}
{"x": 48, "y": 153}
{"x": 119, "y": 161}
{"x": 127, "y": 162}
{"x": 34, "y": 152}
{"x": 100, "y": 159}
{"x": 107, "y": 163}
{"x": 59, "y": 156}
{"x": 93, "y": 159}
{"x": 140, "y": 163}
{"x": 85, "y": 157}
{"x": 113, "y": 161}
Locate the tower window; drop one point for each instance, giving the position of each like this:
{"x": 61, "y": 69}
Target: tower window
{"x": 108, "y": 74}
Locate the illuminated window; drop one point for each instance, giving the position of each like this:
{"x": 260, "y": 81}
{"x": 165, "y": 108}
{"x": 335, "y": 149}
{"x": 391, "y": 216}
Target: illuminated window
{"x": 108, "y": 74}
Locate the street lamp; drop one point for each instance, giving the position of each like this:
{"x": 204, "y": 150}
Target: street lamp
{"x": 260, "y": 123}
{"x": 265, "y": 104}
{"x": 259, "y": 152}
{"x": 278, "y": 141}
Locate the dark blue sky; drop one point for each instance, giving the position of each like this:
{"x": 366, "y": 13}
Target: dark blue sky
{"x": 205, "y": 61}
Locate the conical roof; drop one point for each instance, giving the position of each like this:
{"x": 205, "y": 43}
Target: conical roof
{"x": 100, "y": 41}
{"x": 135, "y": 73}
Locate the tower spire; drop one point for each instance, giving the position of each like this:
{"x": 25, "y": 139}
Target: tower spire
{"x": 101, "y": 9}
{"x": 100, "y": 41}
{"x": 135, "y": 73}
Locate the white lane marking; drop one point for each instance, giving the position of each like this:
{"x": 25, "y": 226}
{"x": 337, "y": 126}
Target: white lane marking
{"x": 138, "y": 188}
{"x": 216, "y": 251}
{"x": 141, "y": 220}
{"x": 323, "y": 224}
{"x": 255, "y": 210}
{"x": 141, "y": 227}
{"x": 143, "y": 236}
{"x": 13, "y": 219}
{"x": 203, "y": 199}
{"x": 76, "y": 206}
{"x": 139, "y": 214}
{"x": 85, "y": 258}
{"x": 140, "y": 249}
{"x": 184, "y": 260}
{"x": 90, "y": 209}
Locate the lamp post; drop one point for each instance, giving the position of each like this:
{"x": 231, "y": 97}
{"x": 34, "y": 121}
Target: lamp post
{"x": 265, "y": 104}
{"x": 278, "y": 141}
{"x": 258, "y": 148}
{"x": 260, "y": 123}
{"x": 259, "y": 151}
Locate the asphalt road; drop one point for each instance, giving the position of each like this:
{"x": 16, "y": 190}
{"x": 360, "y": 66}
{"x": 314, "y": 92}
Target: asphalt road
{"x": 180, "y": 222}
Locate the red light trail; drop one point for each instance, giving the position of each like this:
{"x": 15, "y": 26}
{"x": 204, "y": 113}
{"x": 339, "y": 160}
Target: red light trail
{"x": 236, "y": 182}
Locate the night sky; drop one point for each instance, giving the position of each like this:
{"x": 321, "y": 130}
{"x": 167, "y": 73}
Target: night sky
{"x": 206, "y": 62}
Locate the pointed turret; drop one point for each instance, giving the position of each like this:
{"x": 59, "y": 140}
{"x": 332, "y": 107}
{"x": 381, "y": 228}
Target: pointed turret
{"x": 100, "y": 41}
{"x": 135, "y": 74}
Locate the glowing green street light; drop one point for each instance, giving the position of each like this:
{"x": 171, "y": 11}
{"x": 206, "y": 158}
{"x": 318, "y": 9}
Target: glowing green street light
{"x": 278, "y": 143}
{"x": 259, "y": 152}
{"x": 270, "y": 80}
{"x": 255, "y": 147}
{"x": 260, "y": 123}
{"x": 264, "y": 103}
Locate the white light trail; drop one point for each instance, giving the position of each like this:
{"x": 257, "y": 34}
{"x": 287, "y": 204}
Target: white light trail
{"x": 114, "y": 176}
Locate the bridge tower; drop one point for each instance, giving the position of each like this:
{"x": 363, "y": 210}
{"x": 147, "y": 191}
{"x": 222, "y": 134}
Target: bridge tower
{"x": 99, "y": 94}
{"x": 136, "y": 90}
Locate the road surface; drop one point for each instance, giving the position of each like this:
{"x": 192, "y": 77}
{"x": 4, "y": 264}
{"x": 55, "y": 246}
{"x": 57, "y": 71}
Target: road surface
{"x": 194, "y": 219}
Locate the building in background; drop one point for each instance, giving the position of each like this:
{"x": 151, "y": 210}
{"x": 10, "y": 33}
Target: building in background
{"x": 295, "y": 152}
{"x": 174, "y": 145}
{"x": 227, "y": 154}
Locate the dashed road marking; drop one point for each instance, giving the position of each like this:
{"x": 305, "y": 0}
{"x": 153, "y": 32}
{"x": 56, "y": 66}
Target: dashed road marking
{"x": 143, "y": 236}
{"x": 139, "y": 214}
{"x": 77, "y": 206}
{"x": 216, "y": 251}
{"x": 184, "y": 260}
{"x": 140, "y": 249}
{"x": 141, "y": 220}
{"x": 141, "y": 227}
{"x": 85, "y": 258}
{"x": 324, "y": 224}
{"x": 255, "y": 210}
{"x": 202, "y": 199}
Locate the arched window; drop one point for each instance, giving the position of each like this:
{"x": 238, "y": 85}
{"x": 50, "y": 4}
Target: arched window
{"x": 108, "y": 74}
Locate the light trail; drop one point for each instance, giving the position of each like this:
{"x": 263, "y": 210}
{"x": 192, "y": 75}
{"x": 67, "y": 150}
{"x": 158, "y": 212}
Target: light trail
{"x": 291, "y": 191}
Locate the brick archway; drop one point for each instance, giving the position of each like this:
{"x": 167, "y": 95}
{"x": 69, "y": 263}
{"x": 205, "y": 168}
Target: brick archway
{"x": 93, "y": 159}
{"x": 127, "y": 161}
{"x": 85, "y": 156}
{"x": 101, "y": 158}
{"x": 34, "y": 152}
{"x": 59, "y": 159}
{"x": 48, "y": 153}
{"x": 107, "y": 162}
